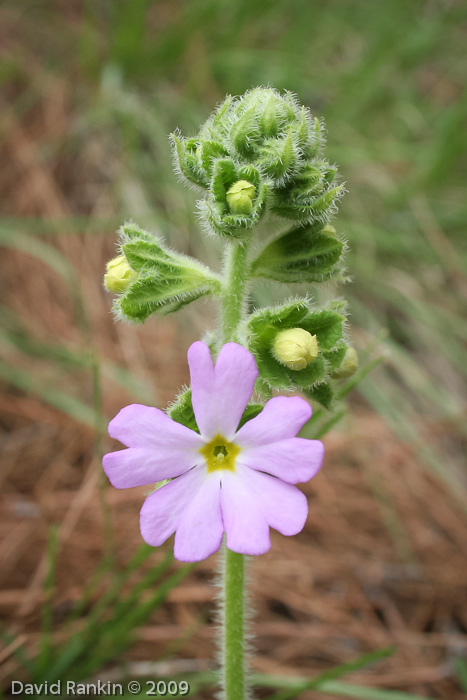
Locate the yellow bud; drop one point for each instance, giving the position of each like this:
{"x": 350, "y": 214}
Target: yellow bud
{"x": 349, "y": 365}
{"x": 118, "y": 274}
{"x": 330, "y": 230}
{"x": 295, "y": 348}
{"x": 240, "y": 197}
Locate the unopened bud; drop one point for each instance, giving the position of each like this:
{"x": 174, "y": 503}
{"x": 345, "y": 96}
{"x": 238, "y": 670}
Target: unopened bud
{"x": 295, "y": 348}
{"x": 118, "y": 274}
{"x": 240, "y": 197}
{"x": 349, "y": 365}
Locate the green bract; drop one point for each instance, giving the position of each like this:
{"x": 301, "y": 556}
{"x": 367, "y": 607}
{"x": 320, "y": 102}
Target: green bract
{"x": 182, "y": 411}
{"x": 311, "y": 253}
{"x": 166, "y": 280}
{"x": 266, "y": 138}
{"x": 328, "y": 326}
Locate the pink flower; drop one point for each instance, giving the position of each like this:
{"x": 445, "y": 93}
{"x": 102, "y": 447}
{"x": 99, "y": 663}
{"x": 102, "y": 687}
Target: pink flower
{"x": 223, "y": 479}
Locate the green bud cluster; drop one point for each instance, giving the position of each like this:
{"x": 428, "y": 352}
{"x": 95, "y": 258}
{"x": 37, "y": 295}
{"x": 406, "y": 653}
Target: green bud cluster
{"x": 260, "y": 154}
{"x": 266, "y": 326}
{"x": 270, "y": 141}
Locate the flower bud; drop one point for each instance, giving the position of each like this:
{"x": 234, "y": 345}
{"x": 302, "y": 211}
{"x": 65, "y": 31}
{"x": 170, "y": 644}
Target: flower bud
{"x": 295, "y": 348}
{"x": 349, "y": 365}
{"x": 240, "y": 197}
{"x": 329, "y": 230}
{"x": 118, "y": 274}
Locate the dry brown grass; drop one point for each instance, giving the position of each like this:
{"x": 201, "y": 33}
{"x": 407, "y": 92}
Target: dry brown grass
{"x": 346, "y": 585}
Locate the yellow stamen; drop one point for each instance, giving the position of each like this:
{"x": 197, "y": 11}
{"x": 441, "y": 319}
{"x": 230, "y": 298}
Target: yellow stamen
{"x": 219, "y": 453}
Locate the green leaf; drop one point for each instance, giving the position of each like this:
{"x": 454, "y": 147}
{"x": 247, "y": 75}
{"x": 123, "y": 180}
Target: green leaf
{"x": 323, "y": 393}
{"x": 250, "y": 173}
{"x": 182, "y": 412}
{"x": 271, "y": 370}
{"x": 278, "y": 157}
{"x": 260, "y": 201}
{"x": 143, "y": 255}
{"x": 303, "y": 254}
{"x": 308, "y": 140}
{"x": 208, "y": 151}
{"x": 250, "y": 412}
{"x": 245, "y": 132}
{"x": 223, "y": 176}
{"x": 311, "y": 374}
{"x": 187, "y": 164}
{"x": 268, "y": 119}
{"x": 221, "y": 111}
{"x": 315, "y": 208}
{"x": 266, "y": 322}
{"x": 327, "y": 325}
{"x": 306, "y": 186}
{"x": 164, "y": 295}
{"x": 335, "y": 357}
{"x": 131, "y": 231}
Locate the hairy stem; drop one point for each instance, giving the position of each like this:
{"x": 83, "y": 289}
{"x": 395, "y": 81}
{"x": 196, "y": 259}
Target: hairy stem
{"x": 233, "y": 672}
{"x": 236, "y": 273}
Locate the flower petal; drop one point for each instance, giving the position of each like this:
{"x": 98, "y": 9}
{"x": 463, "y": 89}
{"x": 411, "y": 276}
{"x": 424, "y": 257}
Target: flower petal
{"x": 281, "y": 418}
{"x": 294, "y": 460}
{"x": 163, "y": 509}
{"x": 200, "y": 530}
{"x": 144, "y": 426}
{"x": 282, "y": 506}
{"x": 140, "y": 466}
{"x": 236, "y": 373}
{"x": 246, "y": 529}
{"x": 203, "y": 386}
{"x": 220, "y": 394}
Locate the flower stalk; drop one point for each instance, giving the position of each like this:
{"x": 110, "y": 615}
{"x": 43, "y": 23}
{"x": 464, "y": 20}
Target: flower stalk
{"x": 235, "y": 290}
{"x": 233, "y": 588}
{"x": 233, "y": 633}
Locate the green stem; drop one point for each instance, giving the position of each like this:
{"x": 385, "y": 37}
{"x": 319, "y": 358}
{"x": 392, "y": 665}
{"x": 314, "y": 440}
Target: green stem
{"x": 234, "y": 626}
{"x": 236, "y": 271}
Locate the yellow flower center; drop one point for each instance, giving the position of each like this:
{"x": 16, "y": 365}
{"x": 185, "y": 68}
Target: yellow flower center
{"x": 220, "y": 454}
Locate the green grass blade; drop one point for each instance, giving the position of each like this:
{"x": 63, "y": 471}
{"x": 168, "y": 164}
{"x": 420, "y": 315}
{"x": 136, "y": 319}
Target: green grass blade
{"x": 336, "y": 672}
{"x": 362, "y": 692}
{"x": 45, "y": 646}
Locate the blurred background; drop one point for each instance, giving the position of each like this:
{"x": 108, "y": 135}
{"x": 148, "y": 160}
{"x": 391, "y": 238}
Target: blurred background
{"x": 89, "y": 93}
